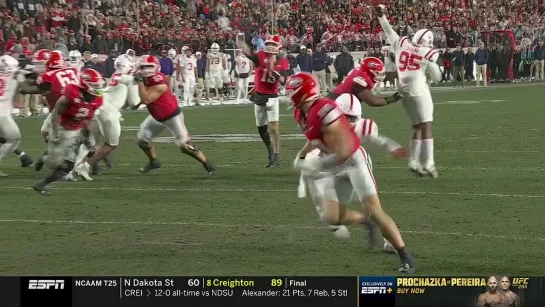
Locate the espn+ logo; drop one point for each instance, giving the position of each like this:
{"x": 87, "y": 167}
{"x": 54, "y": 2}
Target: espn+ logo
{"x": 45, "y": 284}
{"x": 373, "y": 290}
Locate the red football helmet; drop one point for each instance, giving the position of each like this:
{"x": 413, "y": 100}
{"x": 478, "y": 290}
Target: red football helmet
{"x": 91, "y": 81}
{"x": 55, "y": 61}
{"x": 272, "y": 45}
{"x": 39, "y": 58}
{"x": 374, "y": 67}
{"x": 149, "y": 66}
{"x": 302, "y": 87}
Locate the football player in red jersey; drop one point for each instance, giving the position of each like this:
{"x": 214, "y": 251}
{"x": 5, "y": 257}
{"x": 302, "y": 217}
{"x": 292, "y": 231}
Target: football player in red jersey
{"x": 270, "y": 71}
{"x": 362, "y": 80}
{"x": 344, "y": 166}
{"x": 50, "y": 84}
{"x": 77, "y": 104}
{"x": 155, "y": 93}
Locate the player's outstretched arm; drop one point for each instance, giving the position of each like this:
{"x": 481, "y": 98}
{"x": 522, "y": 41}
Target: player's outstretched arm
{"x": 392, "y": 36}
{"x": 371, "y": 100}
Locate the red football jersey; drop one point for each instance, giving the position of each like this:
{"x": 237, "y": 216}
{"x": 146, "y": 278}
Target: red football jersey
{"x": 78, "y": 110}
{"x": 322, "y": 113}
{"x": 263, "y": 83}
{"x": 57, "y": 79}
{"x": 166, "y": 105}
{"x": 356, "y": 77}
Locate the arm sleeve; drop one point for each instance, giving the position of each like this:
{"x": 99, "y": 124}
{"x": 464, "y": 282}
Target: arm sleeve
{"x": 391, "y": 35}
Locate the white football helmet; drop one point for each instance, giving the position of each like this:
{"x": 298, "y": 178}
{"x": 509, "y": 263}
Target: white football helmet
{"x": 349, "y": 105}
{"x": 215, "y": 48}
{"x": 423, "y": 37}
{"x": 74, "y": 57}
{"x": 172, "y": 53}
{"x": 8, "y": 65}
{"x": 122, "y": 65}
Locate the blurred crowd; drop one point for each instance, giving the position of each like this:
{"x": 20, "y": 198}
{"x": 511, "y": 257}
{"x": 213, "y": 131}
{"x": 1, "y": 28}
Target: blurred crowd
{"x": 99, "y": 26}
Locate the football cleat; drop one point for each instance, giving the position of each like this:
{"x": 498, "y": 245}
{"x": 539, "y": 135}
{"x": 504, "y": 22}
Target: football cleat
{"x": 41, "y": 188}
{"x": 26, "y": 161}
{"x": 431, "y": 171}
{"x": 407, "y": 266}
{"x": 416, "y": 169}
{"x": 70, "y": 177}
{"x": 2, "y": 174}
{"x": 82, "y": 170}
{"x": 211, "y": 169}
{"x": 154, "y": 164}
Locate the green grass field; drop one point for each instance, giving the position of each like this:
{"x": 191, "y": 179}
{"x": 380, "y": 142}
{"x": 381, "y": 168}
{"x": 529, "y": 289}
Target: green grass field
{"x": 483, "y": 215}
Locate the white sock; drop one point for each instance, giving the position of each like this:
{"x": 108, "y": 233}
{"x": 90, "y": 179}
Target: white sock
{"x": 427, "y": 154}
{"x": 415, "y": 147}
{"x": 83, "y": 151}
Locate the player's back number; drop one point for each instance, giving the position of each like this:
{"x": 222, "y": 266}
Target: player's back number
{"x": 409, "y": 61}
{"x": 193, "y": 282}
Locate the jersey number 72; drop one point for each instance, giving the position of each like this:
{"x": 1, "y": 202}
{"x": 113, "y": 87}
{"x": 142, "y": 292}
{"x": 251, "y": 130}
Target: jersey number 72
{"x": 409, "y": 61}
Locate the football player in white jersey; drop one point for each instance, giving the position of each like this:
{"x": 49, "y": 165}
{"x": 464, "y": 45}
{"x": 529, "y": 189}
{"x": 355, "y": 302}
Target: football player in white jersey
{"x": 173, "y": 55}
{"x": 187, "y": 74}
{"x": 215, "y": 65}
{"x": 74, "y": 60}
{"x": 226, "y": 75}
{"x": 120, "y": 90}
{"x": 9, "y": 131}
{"x": 367, "y": 130}
{"x": 416, "y": 64}
{"x": 243, "y": 67}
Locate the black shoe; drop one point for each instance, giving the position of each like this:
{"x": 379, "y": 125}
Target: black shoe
{"x": 26, "y": 161}
{"x": 407, "y": 265}
{"x": 154, "y": 164}
{"x": 41, "y": 188}
{"x": 39, "y": 164}
{"x": 274, "y": 161}
{"x": 211, "y": 169}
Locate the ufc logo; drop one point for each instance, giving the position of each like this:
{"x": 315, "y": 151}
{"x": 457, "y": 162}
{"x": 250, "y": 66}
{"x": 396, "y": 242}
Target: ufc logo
{"x": 42, "y": 284}
{"x": 520, "y": 281}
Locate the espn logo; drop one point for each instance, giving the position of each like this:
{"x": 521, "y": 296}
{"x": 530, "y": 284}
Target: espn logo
{"x": 373, "y": 290}
{"x": 45, "y": 284}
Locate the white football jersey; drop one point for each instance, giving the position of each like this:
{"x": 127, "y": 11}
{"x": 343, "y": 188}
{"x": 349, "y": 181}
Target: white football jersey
{"x": 411, "y": 60}
{"x": 216, "y": 62}
{"x": 188, "y": 66}
{"x": 77, "y": 65}
{"x": 117, "y": 91}
{"x": 8, "y": 88}
{"x": 227, "y": 58}
{"x": 242, "y": 65}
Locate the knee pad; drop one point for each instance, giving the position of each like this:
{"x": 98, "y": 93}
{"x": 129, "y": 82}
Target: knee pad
{"x": 66, "y": 166}
{"x": 264, "y": 134}
{"x": 143, "y": 145}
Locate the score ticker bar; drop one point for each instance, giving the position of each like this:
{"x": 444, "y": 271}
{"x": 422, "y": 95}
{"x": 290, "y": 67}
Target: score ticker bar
{"x": 240, "y": 291}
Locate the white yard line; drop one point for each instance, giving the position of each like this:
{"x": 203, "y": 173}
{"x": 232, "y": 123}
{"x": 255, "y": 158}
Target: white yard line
{"x": 248, "y": 226}
{"x": 252, "y": 190}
